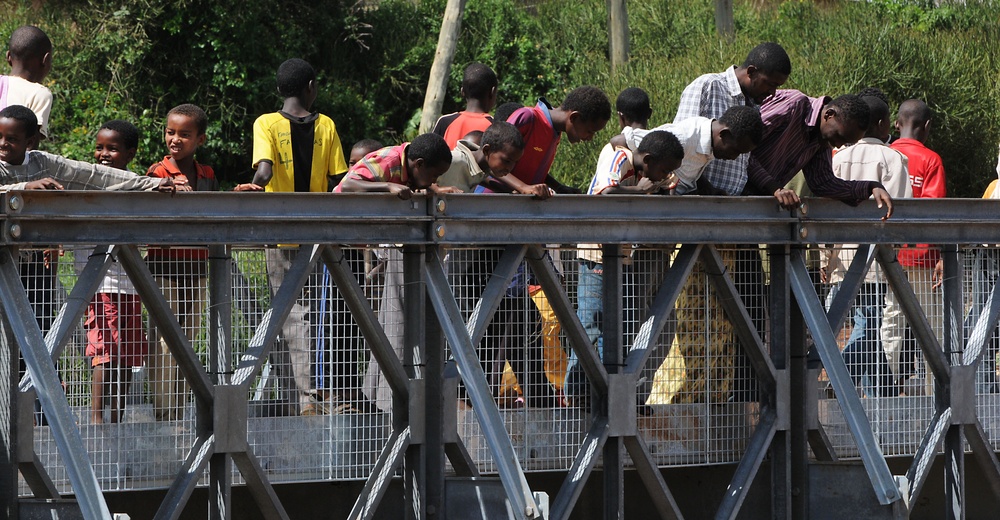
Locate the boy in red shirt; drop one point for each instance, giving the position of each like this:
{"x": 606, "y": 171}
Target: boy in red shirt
{"x": 584, "y": 112}
{"x": 479, "y": 88}
{"x": 922, "y": 262}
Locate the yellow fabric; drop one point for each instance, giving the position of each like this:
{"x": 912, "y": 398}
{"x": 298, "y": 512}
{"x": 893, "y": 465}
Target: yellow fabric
{"x": 554, "y": 358}
{"x": 272, "y": 141}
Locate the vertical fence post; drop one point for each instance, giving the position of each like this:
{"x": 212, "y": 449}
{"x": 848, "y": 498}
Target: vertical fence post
{"x": 954, "y": 341}
{"x": 220, "y": 317}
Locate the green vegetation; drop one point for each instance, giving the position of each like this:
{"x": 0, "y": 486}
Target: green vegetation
{"x": 137, "y": 58}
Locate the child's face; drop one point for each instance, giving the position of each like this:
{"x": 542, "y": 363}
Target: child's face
{"x": 356, "y": 155}
{"x": 182, "y": 136}
{"x": 502, "y": 161}
{"x": 657, "y": 169}
{"x": 424, "y": 174}
{"x": 837, "y": 130}
{"x": 725, "y": 146}
{"x": 578, "y": 130}
{"x": 110, "y": 150}
{"x": 14, "y": 141}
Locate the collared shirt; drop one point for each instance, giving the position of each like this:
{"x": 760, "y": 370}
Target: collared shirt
{"x": 385, "y": 165}
{"x": 464, "y": 172}
{"x": 73, "y": 175}
{"x": 540, "y": 143}
{"x": 868, "y": 160}
{"x": 792, "y": 142}
{"x": 710, "y": 95}
{"x": 205, "y": 180}
{"x": 695, "y": 135}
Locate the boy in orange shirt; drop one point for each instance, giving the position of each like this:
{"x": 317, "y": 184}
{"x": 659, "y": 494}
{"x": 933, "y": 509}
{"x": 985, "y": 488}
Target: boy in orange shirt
{"x": 181, "y": 272}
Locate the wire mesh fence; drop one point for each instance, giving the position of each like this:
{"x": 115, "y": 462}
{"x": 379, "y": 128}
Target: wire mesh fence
{"x": 320, "y": 409}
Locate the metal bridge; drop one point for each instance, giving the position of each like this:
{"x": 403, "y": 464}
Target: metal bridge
{"x": 447, "y": 455}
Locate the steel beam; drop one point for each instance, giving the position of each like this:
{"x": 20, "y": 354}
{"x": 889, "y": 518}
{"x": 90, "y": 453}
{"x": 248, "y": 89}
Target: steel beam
{"x": 511, "y": 475}
{"x": 270, "y": 325}
{"x": 590, "y": 362}
{"x": 915, "y": 317}
{"x": 260, "y": 489}
{"x": 660, "y": 309}
{"x": 651, "y": 477}
{"x": 826, "y": 344}
{"x": 19, "y": 318}
{"x": 749, "y": 464}
{"x": 916, "y": 475}
{"x": 187, "y": 478}
{"x": 388, "y": 462}
{"x": 496, "y": 287}
{"x": 982, "y": 452}
{"x": 732, "y": 303}
{"x": 220, "y": 318}
{"x": 167, "y": 325}
{"x": 371, "y": 329}
{"x": 579, "y": 471}
{"x": 854, "y": 278}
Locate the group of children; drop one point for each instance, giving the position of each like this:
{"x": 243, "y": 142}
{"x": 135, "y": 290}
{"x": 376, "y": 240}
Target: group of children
{"x": 707, "y": 148}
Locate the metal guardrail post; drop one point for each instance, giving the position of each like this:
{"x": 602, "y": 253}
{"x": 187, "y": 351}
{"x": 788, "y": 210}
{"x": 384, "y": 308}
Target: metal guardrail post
{"x": 8, "y": 423}
{"x": 220, "y": 318}
{"x": 954, "y": 340}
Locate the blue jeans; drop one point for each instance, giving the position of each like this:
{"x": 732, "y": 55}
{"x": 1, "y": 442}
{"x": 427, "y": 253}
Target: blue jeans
{"x": 590, "y": 309}
{"x": 863, "y": 354}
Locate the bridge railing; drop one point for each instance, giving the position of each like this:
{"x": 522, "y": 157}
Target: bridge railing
{"x": 704, "y": 305}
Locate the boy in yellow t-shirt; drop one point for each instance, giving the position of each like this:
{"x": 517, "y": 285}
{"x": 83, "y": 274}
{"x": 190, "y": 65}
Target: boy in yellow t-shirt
{"x": 298, "y": 150}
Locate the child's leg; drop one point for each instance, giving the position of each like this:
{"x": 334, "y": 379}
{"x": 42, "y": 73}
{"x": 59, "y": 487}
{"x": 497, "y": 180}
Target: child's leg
{"x": 119, "y": 377}
{"x": 97, "y": 393}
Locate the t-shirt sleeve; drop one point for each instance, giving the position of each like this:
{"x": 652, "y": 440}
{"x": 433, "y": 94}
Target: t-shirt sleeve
{"x": 523, "y": 119}
{"x": 337, "y": 163}
{"x": 157, "y": 170}
{"x": 611, "y": 175}
{"x": 263, "y": 144}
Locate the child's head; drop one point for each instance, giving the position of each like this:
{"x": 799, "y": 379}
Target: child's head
{"x": 297, "y": 78}
{"x": 588, "y": 111}
{"x": 844, "y": 120}
{"x": 18, "y": 133}
{"x": 361, "y": 149}
{"x": 505, "y": 110}
{"x": 428, "y": 157}
{"x": 914, "y": 119}
{"x": 878, "y": 111}
{"x": 767, "y": 67}
{"x": 738, "y": 131}
{"x": 658, "y": 154}
{"x": 633, "y": 107}
{"x": 502, "y": 146}
{"x": 116, "y": 144}
{"x": 29, "y": 52}
{"x": 185, "y": 130}
{"x": 475, "y": 137}
{"x": 479, "y": 82}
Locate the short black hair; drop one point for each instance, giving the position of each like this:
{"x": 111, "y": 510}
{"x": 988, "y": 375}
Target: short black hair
{"x": 367, "y": 144}
{"x": 294, "y": 76}
{"x": 914, "y": 111}
{"x": 127, "y": 131}
{"x": 661, "y": 144}
{"x": 633, "y": 104}
{"x": 24, "y": 115}
{"x": 194, "y": 112}
{"x": 502, "y": 134}
{"x": 853, "y": 109}
{"x": 591, "y": 102}
{"x": 505, "y": 110}
{"x": 744, "y": 121}
{"x": 877, "y": 109}
{"x": 873, "y": 92}
{"x": 769, "y": 57}
{"x": 28, "y": 42}
{"x": 478, "y": 80}
{"x": 431, "y": 148}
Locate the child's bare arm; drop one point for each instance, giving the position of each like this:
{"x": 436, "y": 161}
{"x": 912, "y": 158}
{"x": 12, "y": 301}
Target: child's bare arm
{"x": 263, "y": 174}
{"x": 540, "y": 191}
{"x": 559, "y": 187}
{"x": 350, "y": 185}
